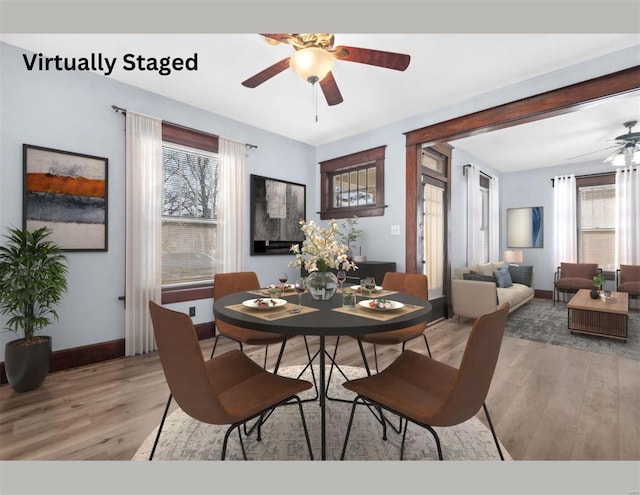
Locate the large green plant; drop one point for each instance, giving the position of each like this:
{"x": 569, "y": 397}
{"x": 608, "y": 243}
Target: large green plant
{"x": 33, "y": 278}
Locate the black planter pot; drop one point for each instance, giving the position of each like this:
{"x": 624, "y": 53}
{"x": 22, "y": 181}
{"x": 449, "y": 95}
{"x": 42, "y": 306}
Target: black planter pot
{"x": 595, "y": 293}
{"x": 27, "y": 365}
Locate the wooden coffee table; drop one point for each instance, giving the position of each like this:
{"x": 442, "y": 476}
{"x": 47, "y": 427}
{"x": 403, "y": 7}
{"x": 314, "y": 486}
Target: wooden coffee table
{"x": 597, "y": 316}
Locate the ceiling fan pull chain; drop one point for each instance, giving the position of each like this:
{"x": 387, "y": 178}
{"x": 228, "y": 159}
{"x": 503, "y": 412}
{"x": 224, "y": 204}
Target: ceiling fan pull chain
{"x": 315, "y": 98}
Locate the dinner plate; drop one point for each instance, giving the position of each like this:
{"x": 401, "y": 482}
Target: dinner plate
{"x": 269, "y": 303}
{"x": 389, "y": 305}
{"x": 359, "y": 288}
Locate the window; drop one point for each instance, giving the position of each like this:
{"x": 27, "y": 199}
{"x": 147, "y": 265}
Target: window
{"x": 189, "y": 206}
{"x": 484, "y": 220}
{"x": 353, "y": 185}
{"x": 596, "y": 221}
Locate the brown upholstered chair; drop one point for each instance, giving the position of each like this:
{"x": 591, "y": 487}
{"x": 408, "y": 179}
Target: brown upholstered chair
{"x": 628, "y": 280}
{"x": 571, "y": 277}
{"x": 430, "y": 393}
{"x": 228, "y": 283}
{"x": 228, "y": 389}
{"x": 412, "y": 283}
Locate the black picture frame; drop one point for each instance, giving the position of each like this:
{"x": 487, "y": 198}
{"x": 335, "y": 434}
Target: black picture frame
{"x": 277, "y": 206}
{"x": 67, "y": 192}
{"x": 525, "y": 227}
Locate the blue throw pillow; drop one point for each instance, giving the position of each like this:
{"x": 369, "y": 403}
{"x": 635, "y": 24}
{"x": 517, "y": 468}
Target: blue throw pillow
{"x": 521, "y": 274}
{"x": 478, "y": 278}
{"x": 503, "y": 278}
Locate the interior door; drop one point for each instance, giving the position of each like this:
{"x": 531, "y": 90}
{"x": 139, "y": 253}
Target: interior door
{"x": 432, "y": 234}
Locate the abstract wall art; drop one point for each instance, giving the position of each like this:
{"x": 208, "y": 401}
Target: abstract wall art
{"x": 525, "y": 227}
{"x": 66, "y": 192}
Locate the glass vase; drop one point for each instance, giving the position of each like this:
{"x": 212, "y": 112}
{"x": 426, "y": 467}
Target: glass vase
{"x": 322, "y": 285}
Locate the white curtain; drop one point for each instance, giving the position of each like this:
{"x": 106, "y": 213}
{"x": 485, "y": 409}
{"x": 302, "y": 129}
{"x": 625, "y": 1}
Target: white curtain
{"x": 627, "y": 216}
{"x": 565, "y": 219}
{"x": 494, "y": 219}
{"x": 143, "y": 229}
{"x": 231, "y": 206}
{"x": 474, "y": 216}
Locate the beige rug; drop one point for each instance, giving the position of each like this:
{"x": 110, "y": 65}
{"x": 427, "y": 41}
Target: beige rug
{"x": 184, "y": 438}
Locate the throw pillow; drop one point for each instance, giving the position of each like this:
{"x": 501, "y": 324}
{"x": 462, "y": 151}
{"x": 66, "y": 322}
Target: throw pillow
{"x": 503, "y": 278}
{"x": 478, "y": 277}
{"x": 521, "y": 274}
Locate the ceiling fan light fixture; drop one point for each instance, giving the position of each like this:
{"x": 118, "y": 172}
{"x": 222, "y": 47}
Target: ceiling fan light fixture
{"x": 311, "y": 64}
{"x": 619, "y": 160}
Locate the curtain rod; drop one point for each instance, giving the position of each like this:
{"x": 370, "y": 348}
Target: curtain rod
{"x": 123, "y": 111}
{"x": 601, "y": 174}
{"x": 464, "y": 171}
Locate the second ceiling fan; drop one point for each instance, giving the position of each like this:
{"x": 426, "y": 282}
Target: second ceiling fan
{"x": 313, "y": 60}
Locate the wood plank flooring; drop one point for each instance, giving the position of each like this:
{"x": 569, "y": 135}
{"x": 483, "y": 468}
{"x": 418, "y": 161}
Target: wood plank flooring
{"x": 546, "y": 402}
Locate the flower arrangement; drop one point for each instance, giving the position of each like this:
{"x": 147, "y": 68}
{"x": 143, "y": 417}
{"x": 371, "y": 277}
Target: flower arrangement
{"x": 320, "y": 251}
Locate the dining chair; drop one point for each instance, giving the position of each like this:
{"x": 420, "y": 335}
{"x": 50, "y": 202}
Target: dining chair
{"x": 228, "y": 283}
{"x": 412, "y": 283}
{"x": 430, "y": 393}
{"x": 228, "y": 389}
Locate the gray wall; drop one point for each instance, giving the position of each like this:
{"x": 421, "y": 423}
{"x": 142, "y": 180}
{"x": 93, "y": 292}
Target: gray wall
{"x": 72, "y": 111}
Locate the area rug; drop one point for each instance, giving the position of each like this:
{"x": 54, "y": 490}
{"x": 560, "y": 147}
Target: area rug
{"x": 184, "y": 438}
{"x": 541, "y": 321}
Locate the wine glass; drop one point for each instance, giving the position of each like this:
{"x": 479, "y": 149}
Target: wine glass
{"x": 342, "y": 276}
{"x": 370, "y": 285}
{"x": 300, "y": 286}
{"x": 283, "y": 277}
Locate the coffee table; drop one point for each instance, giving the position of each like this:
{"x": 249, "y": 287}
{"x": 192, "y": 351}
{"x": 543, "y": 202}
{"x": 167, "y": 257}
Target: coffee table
{"x": 597, "y": 316}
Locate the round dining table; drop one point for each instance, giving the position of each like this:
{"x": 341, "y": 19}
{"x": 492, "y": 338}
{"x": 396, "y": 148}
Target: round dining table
{"x": 321, "y": 319}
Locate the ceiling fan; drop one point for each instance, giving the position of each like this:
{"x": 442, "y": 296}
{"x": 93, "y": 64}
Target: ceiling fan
{"x": 627, "y": 148}
{"x": 629, "y": 151}
{"x": 313, "y": 60}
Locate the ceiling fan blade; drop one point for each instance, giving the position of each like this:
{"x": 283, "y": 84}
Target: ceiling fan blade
{"x": 280, "y": 37}
{"x": 596, "y": 151}
{"x": 267, "y": 74}
{"x": 388, "y": 60}
{"x": 330, "y": 90}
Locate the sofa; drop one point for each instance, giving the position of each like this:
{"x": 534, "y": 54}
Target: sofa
{"x": 481, "y": 289}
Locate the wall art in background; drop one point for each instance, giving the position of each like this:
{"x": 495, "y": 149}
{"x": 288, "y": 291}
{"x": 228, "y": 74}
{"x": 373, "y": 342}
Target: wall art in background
{"x": 66, "y": 192}
{"x": 525, "y": 227}
{"x": 277, "y": 207}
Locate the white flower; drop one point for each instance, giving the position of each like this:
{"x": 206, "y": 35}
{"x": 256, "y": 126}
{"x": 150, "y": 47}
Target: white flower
{"x": 320, "y": 251}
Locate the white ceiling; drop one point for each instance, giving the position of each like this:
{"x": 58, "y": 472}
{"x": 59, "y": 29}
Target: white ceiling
{"x": 444, "y": 69}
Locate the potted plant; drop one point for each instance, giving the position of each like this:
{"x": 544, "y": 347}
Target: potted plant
{"x": 348, "y": 234}
{"x": 598, "y": 284}
{"x": 33, "y": 278}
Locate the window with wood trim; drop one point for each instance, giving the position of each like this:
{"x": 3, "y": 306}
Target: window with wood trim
{"x": 596, "y": 220}
{"x": 189, "y": 206}
{"x": 353, "y": 185}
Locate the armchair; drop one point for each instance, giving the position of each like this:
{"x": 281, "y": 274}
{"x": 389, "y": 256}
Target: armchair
{"x": 571, "y": 277}
{"x": 628, "y": 280}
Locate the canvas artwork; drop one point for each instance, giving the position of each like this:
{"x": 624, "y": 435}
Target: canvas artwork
{"x": 66, "y": 192}
{"x": 525, "y": 227}
{"x": 276, "y": 208}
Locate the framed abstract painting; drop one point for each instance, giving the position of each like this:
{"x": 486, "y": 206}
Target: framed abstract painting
{"x": 66, "y": 192}
{"x": 525, "y": 227}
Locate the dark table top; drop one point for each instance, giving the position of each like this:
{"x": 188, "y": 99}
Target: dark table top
{"x": 322, "y": 322}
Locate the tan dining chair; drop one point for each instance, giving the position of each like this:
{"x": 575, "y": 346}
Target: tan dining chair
{"x": 412, "y": 283}
{"x": 430, "y": 393}
{"x": 228, "y": 389}
{"x": 229, "y": 283}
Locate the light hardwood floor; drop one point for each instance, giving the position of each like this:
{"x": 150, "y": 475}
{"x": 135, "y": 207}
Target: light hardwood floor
{"x": 546, "y": 402}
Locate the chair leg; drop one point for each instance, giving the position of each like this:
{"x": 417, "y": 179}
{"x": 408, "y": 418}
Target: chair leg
{"x": 437, "y": 439}
{"x": 426, "y": 342}
{"x": 215, "y": 343}
{"x": 404, "y": 435}
{"x": 226, "y": 439}
{"x": 346, "y": 438}
{"x": 493, "y": 432}
{"x": 164, "y": 416}
{"x": 304, "y": 427}
{"x": 266, "y": 353}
